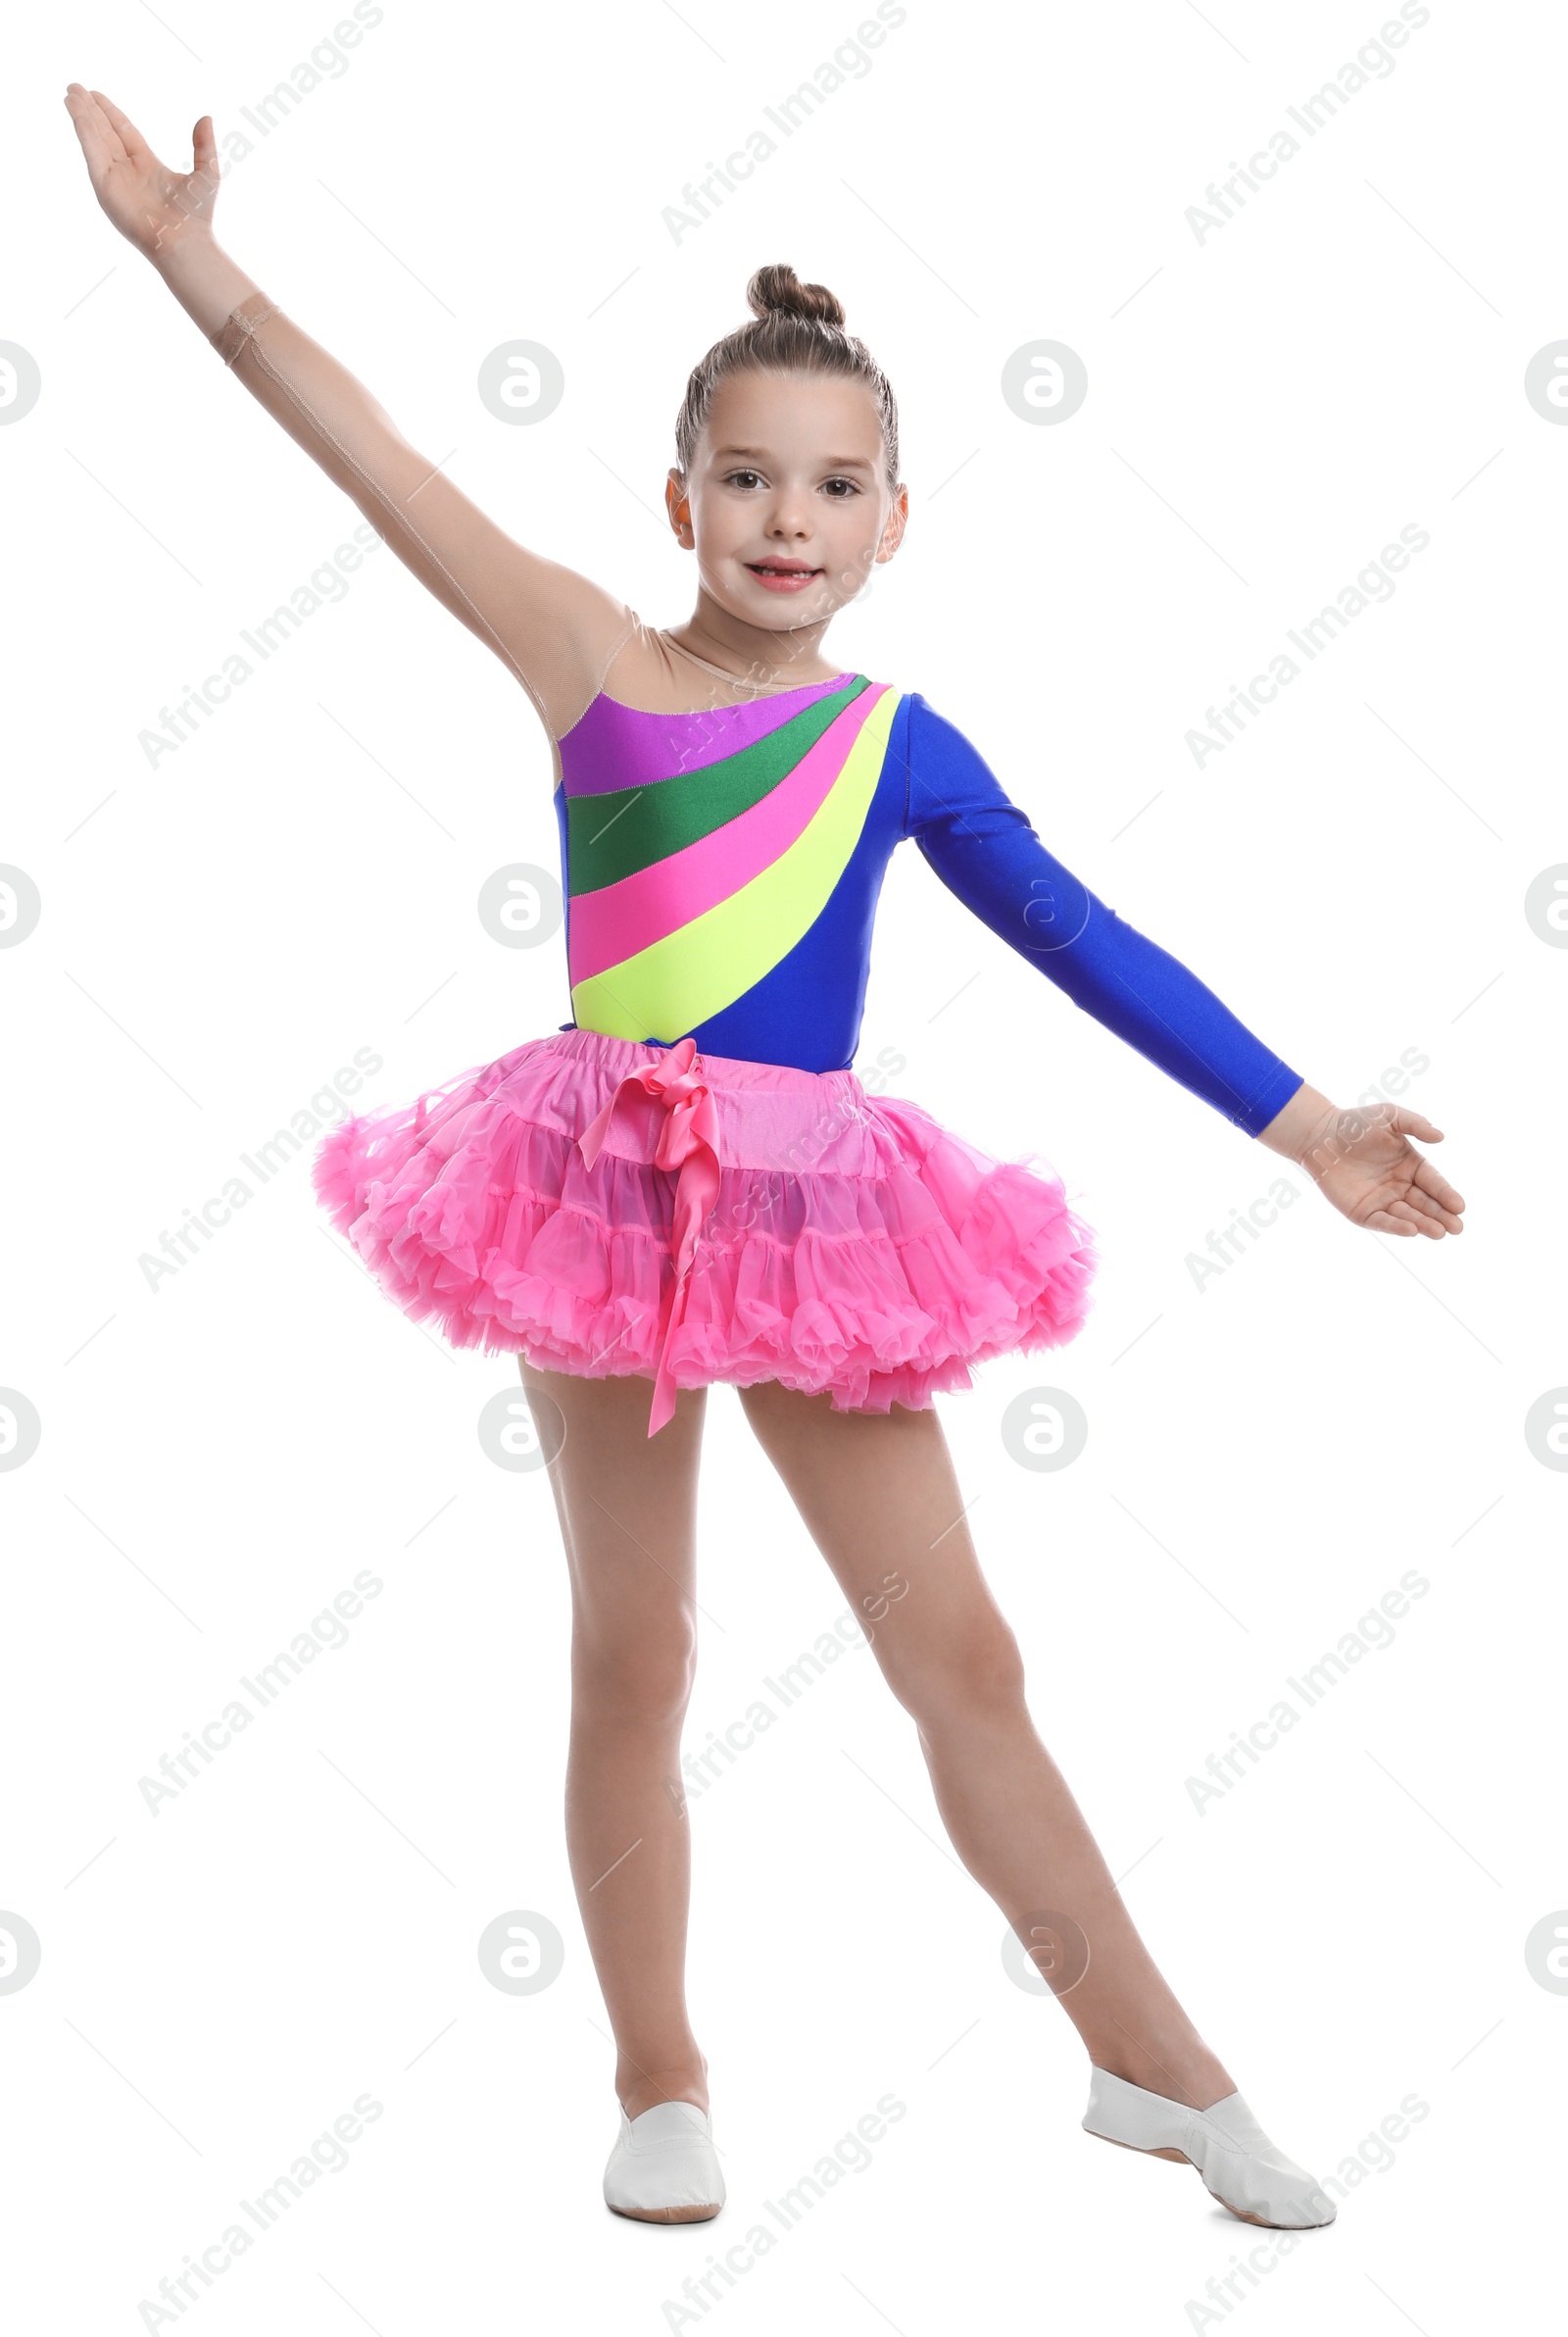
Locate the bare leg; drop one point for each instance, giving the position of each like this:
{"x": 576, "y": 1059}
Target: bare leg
{"x": 627, "y": 1504}
{"x": 879, "y": 1497}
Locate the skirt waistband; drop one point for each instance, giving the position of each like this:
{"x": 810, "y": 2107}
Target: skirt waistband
{"x": 728, "y": 1072}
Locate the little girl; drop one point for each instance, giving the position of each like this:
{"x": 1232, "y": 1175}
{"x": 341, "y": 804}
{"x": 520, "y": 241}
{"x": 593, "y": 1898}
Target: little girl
{"x": 688, "y": 1183}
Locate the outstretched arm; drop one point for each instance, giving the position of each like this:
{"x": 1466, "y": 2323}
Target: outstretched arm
{"x": 985, "y": 850}
{"x": 556, "y": 630}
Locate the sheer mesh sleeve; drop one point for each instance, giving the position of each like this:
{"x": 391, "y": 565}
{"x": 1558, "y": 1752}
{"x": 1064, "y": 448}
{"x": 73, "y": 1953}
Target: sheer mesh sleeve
{"x": 985, "y": 850}
{"x": 556, "y": 630}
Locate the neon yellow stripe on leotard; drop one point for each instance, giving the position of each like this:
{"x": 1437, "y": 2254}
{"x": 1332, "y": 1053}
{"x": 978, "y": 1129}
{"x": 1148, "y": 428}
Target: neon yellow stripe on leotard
{"x": 678, "y": 981}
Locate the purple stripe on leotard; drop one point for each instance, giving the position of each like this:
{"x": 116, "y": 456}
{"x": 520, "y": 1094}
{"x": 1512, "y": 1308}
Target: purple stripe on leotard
{"x": 613, "y": 746}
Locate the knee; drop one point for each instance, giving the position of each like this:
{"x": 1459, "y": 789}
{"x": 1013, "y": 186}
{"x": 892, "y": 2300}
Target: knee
{"x": 636, "y": 1681}
{"x": 974, "y": 1676}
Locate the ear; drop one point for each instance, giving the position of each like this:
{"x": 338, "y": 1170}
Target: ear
{"x": 897, "y": 520}
{"x": 677, "y": 503}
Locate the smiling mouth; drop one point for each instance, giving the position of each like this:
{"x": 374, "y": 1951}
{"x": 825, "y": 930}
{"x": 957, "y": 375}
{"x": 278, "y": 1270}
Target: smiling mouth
{"x": 783, "y": 572}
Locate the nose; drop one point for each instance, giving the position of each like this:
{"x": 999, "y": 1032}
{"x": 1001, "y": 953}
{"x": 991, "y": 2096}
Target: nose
{"x": 790, "y": 514}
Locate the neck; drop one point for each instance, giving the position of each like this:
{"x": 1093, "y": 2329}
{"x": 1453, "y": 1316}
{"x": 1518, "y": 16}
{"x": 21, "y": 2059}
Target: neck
{"x": 764, "y": 656}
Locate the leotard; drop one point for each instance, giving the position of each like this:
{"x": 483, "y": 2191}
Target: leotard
{"x": 722, "y": 872}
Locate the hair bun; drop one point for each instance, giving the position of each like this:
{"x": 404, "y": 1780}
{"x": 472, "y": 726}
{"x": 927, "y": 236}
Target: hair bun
{"x": 777, "y": 291}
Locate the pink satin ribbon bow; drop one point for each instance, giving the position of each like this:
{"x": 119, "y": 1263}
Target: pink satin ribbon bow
{"x": 688, "y": 1142}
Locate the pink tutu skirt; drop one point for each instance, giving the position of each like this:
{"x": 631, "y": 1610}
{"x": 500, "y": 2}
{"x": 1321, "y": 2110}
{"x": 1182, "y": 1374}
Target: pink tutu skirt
{"x": 607, "y": 1206}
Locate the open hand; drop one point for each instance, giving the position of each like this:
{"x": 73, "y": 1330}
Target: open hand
{"x": 1362, "y": 1162}
{"x": 152, "y": 206}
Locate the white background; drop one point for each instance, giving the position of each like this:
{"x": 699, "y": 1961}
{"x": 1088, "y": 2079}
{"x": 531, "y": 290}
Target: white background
{"x": 1266, "y": 409}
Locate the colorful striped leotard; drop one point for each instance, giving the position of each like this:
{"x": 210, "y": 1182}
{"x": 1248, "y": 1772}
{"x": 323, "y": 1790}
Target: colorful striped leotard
{"x": 721, "y": 872}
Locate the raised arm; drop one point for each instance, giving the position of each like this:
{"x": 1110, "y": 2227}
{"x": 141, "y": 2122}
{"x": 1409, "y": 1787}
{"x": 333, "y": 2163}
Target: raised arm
{"x": 556, "y": 630}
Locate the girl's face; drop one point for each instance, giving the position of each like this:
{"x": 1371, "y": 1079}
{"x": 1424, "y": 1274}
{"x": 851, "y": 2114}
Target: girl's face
{"x": 787, "y": 504}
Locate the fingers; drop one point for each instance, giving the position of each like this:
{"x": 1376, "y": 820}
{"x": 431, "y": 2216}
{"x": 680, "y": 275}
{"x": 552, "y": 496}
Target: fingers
{"x": 1405, "y": 1218}
{"x": 1430, "y": 1205}
{"x": 100, "y": 141}
{"x": 1433, "y": 1215}
{"x": 1431, "y": 1180}
{"x": 1399, "y": 1217}
{"x": 131, "y": 136}
{"x": 204, "y": 144}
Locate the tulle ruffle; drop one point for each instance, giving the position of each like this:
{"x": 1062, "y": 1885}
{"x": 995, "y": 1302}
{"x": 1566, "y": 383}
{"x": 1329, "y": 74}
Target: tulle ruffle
{"x": 855, "y": 1246}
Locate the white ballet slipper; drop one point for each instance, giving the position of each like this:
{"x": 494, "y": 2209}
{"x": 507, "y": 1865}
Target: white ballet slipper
{"x": 1238, "y": 2164}
{"x": 663, "y": 2167}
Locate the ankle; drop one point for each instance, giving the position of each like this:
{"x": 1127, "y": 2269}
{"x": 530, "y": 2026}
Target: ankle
{"x": 1191, "y": 2076}
{"x": 643, "y": 2089}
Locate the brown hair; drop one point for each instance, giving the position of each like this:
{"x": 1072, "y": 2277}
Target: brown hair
{"x": 795, "y": 328}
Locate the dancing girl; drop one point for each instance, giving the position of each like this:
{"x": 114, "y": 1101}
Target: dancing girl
{"x": 687, "y": 1184}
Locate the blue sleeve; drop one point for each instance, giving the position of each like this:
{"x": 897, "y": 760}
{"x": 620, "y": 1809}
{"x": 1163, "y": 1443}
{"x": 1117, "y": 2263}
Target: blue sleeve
{"x": 983, "y": 847}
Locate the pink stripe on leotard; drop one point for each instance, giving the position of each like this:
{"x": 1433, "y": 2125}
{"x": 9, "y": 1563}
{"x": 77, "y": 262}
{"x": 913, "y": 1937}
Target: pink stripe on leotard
{"x": 622, "y": 918}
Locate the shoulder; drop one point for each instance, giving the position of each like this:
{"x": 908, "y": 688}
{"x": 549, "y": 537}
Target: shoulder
{"x": 592, "y": 628}
{"x": 932, "y": 739}
{"x": 928, "y": 721}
